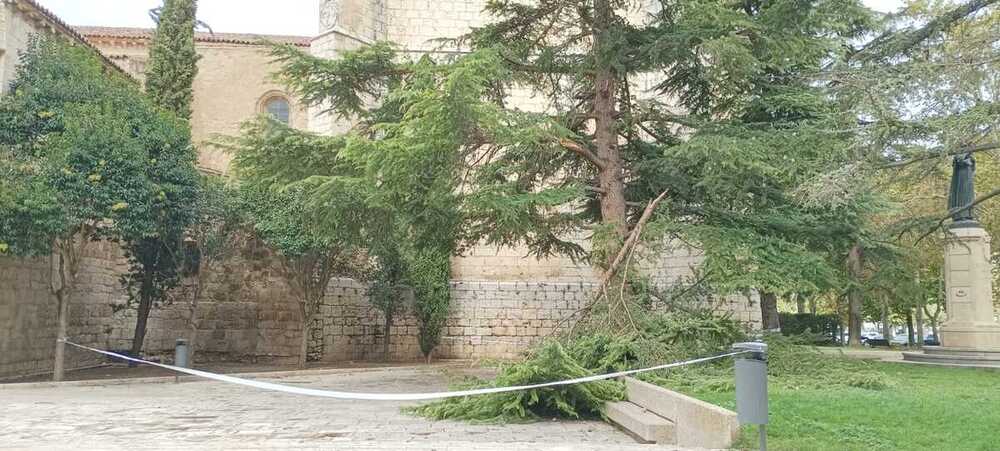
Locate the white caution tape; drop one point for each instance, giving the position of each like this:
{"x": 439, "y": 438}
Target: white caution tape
{"x": 397, "y": 396}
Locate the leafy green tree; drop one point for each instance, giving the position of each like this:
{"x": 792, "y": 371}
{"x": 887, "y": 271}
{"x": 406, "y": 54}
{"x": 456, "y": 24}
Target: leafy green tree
{"x": 155, "y": 252}
{"x": 173, "y": 61}
{"x": 155, "y": 256}
{"x": 924, "y": 90}
{"x": 309, "y": 255}
{"x": 407, "y": 232}
{"x": 216, "y": 235}
{"x": 77, "y": 143}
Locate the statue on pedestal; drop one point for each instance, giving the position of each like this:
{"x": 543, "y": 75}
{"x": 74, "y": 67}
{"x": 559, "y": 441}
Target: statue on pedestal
{"x": 971, "y": 335}
{"x": 962, "y": 191}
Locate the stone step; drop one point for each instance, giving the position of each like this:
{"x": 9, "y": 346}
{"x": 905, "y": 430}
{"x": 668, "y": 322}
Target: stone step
{"x": 697, "y": 423}
{"x": 949, "y": 351}
{"x": 640, "y": 422}
{"x": 952, "y": 359}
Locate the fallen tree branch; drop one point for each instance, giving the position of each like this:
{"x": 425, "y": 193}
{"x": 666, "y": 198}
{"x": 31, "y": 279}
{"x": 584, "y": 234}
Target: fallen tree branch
{"x": 630, "y": 242}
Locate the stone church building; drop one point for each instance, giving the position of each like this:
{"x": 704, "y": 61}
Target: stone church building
{"x": 502, "y": 302}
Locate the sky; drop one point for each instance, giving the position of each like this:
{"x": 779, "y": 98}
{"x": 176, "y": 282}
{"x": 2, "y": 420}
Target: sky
{"x": 293, "y": 17}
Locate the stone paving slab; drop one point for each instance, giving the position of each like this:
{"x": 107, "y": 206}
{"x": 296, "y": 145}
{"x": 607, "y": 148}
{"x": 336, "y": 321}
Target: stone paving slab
{"x": 215, "y": 415}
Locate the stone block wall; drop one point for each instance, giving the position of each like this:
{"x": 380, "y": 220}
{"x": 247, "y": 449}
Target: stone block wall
{"x": 487, "y": 319}
{"x": 249, "y": 315}
{"x": 28, "y": 311}
{"x": 246, "y": 313}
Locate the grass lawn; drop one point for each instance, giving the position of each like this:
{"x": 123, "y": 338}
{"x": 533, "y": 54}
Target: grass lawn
{"x": 928, "y": 408}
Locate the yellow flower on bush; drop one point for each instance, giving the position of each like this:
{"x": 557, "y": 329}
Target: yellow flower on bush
{"x": 119, "y": 206}
{"x": 3, "y": 248}
{"x": 45, "y": 114}
{"x": 94, "y": 178}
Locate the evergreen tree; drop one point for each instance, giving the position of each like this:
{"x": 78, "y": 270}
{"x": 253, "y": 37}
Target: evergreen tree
{"x": 155, "y": 258}
{"x": 923, "y": 91}
{"x": 173, "y": 59}
{"x": 719, "y": 164}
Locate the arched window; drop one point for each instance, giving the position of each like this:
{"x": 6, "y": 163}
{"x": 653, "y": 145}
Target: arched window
{"x": 278, "y": 108}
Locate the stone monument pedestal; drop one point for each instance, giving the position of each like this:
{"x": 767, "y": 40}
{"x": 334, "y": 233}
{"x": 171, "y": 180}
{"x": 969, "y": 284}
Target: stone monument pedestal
{"x": 971, "y": 334}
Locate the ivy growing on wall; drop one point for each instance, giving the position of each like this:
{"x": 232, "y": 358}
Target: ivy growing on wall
{"x": 428, "y": 274}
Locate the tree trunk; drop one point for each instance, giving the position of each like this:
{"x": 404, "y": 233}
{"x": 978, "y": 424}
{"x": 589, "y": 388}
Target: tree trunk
{"x": 387, "y": 331}
{"x": 193, "y": 313}
{"x": 920, "y": 324}
{"x": 769, "y": 311}
{"x": 62, "y": 283}
{"x": 800, "y": 303}
{"x": 854, "y": 295}
{"x": 142, "y": 315}
{"x": 306, "y": 328}
{"x": 59, "y": 367}
{"x": 812, "y": 305}
{"x": 609, "y": 174}
{"x": 909, "y": 327}
{"x": 886, "y": 324}
{"x": 933, "y": 319}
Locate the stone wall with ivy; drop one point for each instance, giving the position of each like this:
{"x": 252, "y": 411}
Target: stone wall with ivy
{"x": 249, "y": 315}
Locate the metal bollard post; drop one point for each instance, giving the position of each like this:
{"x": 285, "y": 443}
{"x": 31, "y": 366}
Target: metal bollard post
{"x": 180, "y": 356}
{"x": 751, "y": 387}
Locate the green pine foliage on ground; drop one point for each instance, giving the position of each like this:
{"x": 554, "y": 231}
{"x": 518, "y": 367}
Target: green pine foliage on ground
{"x": 662, "y": 339}
{"x": 550, "y": 362}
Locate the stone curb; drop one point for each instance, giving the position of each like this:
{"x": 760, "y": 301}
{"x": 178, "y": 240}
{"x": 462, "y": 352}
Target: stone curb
{"x": 947, "y": 365}
{"x": 254, "y": 375}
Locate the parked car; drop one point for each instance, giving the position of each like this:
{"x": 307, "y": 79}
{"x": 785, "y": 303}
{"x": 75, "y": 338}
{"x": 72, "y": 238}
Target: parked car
{"x": 931, "y": 341}
{"x": 877, "y": 342}
{"x": 900, "y": 339}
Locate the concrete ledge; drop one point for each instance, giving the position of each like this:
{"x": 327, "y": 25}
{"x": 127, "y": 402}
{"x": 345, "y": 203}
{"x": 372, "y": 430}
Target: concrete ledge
{"x": 697, "y": 423}
{"x": 640, "y": 422}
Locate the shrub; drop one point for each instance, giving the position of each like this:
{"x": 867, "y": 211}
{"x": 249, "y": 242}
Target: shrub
{"x": 822, "y": 328}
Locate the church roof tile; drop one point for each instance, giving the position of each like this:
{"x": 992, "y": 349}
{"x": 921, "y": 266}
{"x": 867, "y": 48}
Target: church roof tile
{"x": 226, "y": 38}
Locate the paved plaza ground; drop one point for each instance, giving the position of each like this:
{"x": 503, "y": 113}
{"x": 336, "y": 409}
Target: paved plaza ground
{"x": 153, "y": 414}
